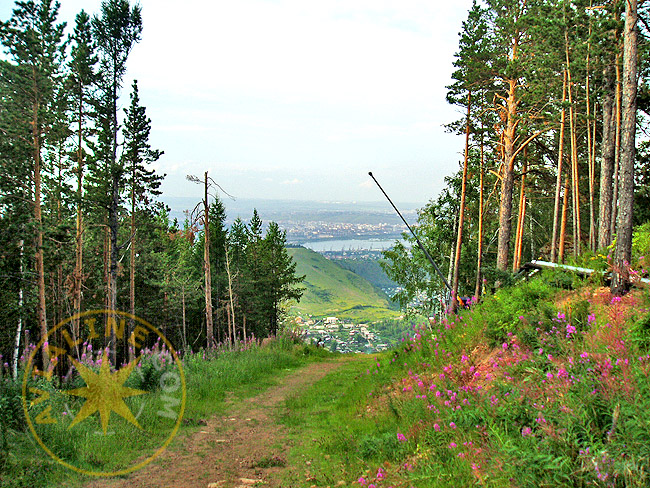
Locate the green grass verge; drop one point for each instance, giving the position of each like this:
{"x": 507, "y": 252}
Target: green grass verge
{"x": 23, "y": 463}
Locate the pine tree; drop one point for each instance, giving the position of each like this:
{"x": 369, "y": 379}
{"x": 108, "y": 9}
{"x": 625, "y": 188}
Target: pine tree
{"x": 624, "y": 224}
{"x": 142, "y": 182}
{"x": 34, "y": 42}
{"x": 280, "y": 279}
{"x": 116, "y": 30}
{"x": 81, "y": 80}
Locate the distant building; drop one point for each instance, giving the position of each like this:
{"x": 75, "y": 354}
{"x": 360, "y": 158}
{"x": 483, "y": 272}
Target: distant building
{"x": 331, "y": 320}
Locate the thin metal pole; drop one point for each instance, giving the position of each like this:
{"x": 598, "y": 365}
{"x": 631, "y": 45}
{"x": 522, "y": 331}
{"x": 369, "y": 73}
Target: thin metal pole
{"x": 426, "y": 253}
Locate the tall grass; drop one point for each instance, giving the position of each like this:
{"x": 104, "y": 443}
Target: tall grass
{"x": 537, "y": 386}
{"x": 210, "y": 376}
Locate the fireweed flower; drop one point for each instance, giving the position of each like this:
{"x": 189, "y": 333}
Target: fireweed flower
{"x": 526, "y": 431}
{"x": 400, "y": 437}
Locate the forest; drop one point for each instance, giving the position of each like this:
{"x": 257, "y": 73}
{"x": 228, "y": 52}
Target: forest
{"x": 81, "y": 227}
{"x": 555, "y": 102}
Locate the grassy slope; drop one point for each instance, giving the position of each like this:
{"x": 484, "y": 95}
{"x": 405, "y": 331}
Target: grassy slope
{"x": 334, "y": 291}
{"x": 239, "y": 373}
{"x": 534, "y": 387}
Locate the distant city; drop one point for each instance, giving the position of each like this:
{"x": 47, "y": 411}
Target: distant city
{"x": 313, "y": 221}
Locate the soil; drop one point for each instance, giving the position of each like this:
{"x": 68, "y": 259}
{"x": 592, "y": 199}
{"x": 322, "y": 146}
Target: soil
{"x": 242, "y": 448}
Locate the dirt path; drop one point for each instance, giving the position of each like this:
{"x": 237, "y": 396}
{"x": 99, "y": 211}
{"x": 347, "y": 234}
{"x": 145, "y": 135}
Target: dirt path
{"x": 242, "y": 448}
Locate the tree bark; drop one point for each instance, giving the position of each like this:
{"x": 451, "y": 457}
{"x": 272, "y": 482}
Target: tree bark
{"x": 516, "y": 260}
{"x": 590, "y": 144}
{"x": 461, "y": 212}
{"x": 565, "y": 208}
{"x": 607, "y": 161}
{"x": 19, "y": 328}
{"x": 479, "y": 260}
{"x": 38, "y": 219}
{"x": 617, "y": 151}
{"x": 508, "y": 178}
{"x": 621, "y": 274}
{"x": 558, "y": 182}
{"x": 575, "y": 188}
{"x": 132, "y": 258}
{"x": 78, "y": 268}
{"x": 209, "y": 327}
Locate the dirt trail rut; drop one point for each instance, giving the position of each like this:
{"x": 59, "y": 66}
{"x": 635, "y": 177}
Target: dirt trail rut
{"x": 242, "y": 448}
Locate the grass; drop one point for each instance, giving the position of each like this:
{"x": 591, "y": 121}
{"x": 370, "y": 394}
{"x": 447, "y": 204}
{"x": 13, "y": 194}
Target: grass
{"x": 536, "y": 386}
{"x": 210, "y": 382}
{"x": 331, "y": 290}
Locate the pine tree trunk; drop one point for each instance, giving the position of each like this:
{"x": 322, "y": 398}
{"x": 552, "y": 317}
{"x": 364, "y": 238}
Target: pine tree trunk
{"x": 575, "y": 188}
{"x": 479, "y": 260}
{"x": 516, "y": 260}
{"x": 184, "y": 320}
{"x": 19, "y": 328}
{"x": 208, "y": 275}
{"x": 558, "y": 182}
{"x": 608, "y": 147}
{"x": 230, "y": 294}
{"x": 565, "y": 208}
{"x": 617, "y": 151}
{"x": 132, "y": 260}
{"x": 621, "y": 275}
{"x": 592, "y": 186}
{"x": 461, "y": 212}
{"x": 38, "y": 244}
{"x": 78, "y": 268}
{"x": 590, "y": 144}
{"x": 508, "y": 179}
{"x": 113, "y": 225}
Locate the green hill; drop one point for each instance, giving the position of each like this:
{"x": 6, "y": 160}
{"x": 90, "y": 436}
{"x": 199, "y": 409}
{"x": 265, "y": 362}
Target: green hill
{"x": 334, "y": 291}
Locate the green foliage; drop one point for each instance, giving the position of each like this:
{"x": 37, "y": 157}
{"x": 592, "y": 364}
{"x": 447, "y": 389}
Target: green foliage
{"x": 641, "y": 241}
{"x": 500, "y": 313}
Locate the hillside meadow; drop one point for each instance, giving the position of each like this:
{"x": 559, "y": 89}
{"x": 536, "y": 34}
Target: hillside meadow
{"x": 331, "y": 290}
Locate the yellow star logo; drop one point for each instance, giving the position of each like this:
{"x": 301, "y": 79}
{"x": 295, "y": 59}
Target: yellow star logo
{"x": 105, "y": 392}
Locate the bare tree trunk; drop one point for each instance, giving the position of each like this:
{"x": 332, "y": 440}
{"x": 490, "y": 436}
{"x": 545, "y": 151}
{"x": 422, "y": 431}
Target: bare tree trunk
{"x": 565, "y": 205}
{"x": 592, "y": 186}
{"x": 38, "y": 219}
{"x": 590, "y": 143}
{"x": 113, "y": 224}
{"x": 617, "y": 151}
{"x": 607, "y": 161}
{"x": 19, "y": 329}
{"x": 132, "y": 260}
{"x": 78, "y": 268}
{"x": 461, "y": 212}
{"x": 230, "y": 294}
{"x": 184, "y": 320}
{"x": 516, "y": 260}
{"x": 507, "y": 180}
{"x": 621, "y": 275}
{"x": 479, "y": 260}
{"x": 209, "y": 327}
{"x": 574, "y": 160}
{"x": 558, "y": 183}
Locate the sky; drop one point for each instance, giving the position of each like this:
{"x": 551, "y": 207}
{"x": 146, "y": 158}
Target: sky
{"x": 297, "y": 99}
